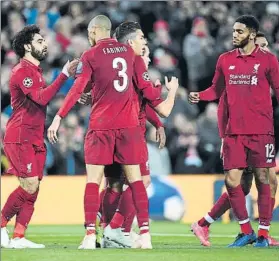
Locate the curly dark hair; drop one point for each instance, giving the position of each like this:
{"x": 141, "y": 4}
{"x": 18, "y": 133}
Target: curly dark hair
{"x": 25, "y": 36}
{"x": 124, "y": 30}
{"x": 250, "y": 21}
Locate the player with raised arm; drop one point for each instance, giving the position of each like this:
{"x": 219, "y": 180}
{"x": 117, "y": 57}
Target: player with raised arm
{"x": 201, "y": 228}
{"x": 246, "y": 74}
{"x": 113, "y": 133}
{"x": 24, "y": 137}
{"x": 130, "y": 33}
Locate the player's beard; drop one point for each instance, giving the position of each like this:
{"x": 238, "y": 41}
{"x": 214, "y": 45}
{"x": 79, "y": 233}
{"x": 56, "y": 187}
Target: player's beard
{"x": 243, "y": 43}
{"x": 39, "y": 55}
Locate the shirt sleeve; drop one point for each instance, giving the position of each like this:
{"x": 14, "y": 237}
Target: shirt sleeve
{"x": 215, "y": 91}
{"x": 273, "y": 75}
{"x": 143, "y": 83}
{"x": 83, "y": 75}
{"x": 152, "y": 117}
{"x": 223, "y": 115}
{"x": 32, "y": 87}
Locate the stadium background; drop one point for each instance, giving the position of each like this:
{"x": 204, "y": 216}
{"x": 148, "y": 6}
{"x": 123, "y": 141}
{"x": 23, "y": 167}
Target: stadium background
{"x": 185, "y": 39}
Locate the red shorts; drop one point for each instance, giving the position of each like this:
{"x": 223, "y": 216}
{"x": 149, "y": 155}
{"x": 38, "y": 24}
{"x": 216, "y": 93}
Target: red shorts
{"x": 115, "y": 170}
{"x": 107, "y": 146}
{"x": 241, "y": 151}
{"x": 27, "y": 160}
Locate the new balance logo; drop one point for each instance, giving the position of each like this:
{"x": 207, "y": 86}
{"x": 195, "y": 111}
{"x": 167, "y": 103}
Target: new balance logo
{"x": 231, "y": 67}
{"x": 269, "y": 161}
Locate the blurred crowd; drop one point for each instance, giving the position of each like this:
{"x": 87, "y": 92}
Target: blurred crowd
{"x": 185, "y": 39}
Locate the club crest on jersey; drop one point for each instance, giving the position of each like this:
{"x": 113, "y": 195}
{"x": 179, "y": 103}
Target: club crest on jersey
{"x": 145, "y": 76}
{"x": 256, "y": 68}
{"x": 27, "y": 82}
{"x": 79, "y": 68}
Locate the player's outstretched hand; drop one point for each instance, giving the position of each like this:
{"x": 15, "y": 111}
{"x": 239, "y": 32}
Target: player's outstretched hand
{"x": 172, "y": 84}
{"x": 69, "y": 69}
{"x": 85, "y": 99}
{"x": 194, "y": 97}
{"x": 52, "y": 130}
{"x": 161, "y": 137}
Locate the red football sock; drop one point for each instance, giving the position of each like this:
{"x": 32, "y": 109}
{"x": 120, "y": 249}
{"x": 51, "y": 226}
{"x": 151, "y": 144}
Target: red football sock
{"x": 219, "y": 208}
{"x": 110, "y": 203}
{"x": 237, "y": 200}
{"x": 19, "y": 230}
{"x": 128, "y": 222}
{"x": 13, "y": 204}
{"x": 102, "y": 194}
{"x": 264, "y": 206}
{"x": 27, "y": 210}
{"x": 124, "y": 208}
{"x": 141, "y": 204}
{"x": 91, "y": 205}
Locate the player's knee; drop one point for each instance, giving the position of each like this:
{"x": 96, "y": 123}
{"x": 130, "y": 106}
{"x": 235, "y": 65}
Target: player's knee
{"x": 30, "y": 185}
{"x": 146, "y": 181}
{"x": 231, "y": 179}
{"x": 262, "y": 176}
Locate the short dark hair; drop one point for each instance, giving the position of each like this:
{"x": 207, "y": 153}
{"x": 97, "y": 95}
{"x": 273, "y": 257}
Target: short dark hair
{"x": 260, "y": 34}
{"x": 25, "y": 36}
{"x": 250, "y": 21}
{"x": 123, "y": 31}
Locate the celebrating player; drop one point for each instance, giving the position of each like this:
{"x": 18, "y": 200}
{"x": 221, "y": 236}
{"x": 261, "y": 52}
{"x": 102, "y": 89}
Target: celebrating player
{"x": 246, "y": 73}
{"x": 129, "y": 33}
{"x": 113, "y": 134}
{"x": 201, "y": 228}
{"x": 24, "y": 140}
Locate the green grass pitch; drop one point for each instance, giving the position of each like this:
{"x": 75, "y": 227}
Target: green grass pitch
{"x": 171, "y": 242}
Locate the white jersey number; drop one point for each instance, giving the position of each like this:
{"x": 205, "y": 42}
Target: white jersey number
{"x": 121, "y": 74}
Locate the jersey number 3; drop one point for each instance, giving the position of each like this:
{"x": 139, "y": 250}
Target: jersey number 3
{"x": 120, "y": 85}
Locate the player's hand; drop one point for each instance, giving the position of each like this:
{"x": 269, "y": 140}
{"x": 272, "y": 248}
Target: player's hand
{"x": 52, "y": 130}
{"x": 194, "y": 97}
{"x": 69, "y": 69}
{"x": 172, "y": 84}
{"x": 85, "y": 99}
{"x": 161, "y": 137}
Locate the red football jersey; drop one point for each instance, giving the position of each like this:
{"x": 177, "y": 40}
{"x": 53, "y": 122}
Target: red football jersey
{"x": 110, "y": 66}
{"x": 247, "y": 80}
{"x": 29, "y": 97}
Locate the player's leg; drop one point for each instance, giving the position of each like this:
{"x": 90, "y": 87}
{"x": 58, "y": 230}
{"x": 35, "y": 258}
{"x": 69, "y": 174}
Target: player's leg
{"x": 130, "y": 154}
{"x": 273, "y": 188}
{"x": 98, "y": 151}
{"x": 201, "y": 228}
{"x": 21, "y": 201}
{"x": 234, "y": 163}
{"x": 262, "y": 157}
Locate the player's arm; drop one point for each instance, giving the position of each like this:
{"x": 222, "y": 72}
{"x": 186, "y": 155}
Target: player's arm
{"x": 153, "y": 118}
{"x": 273, "y": 75}
{"x": 151, "y": 94}
{"x": 215, "y": 91}
{"x": 83, "y": 76}
{"x": 32, "y": 86}
{"x": 223, "y": 115}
